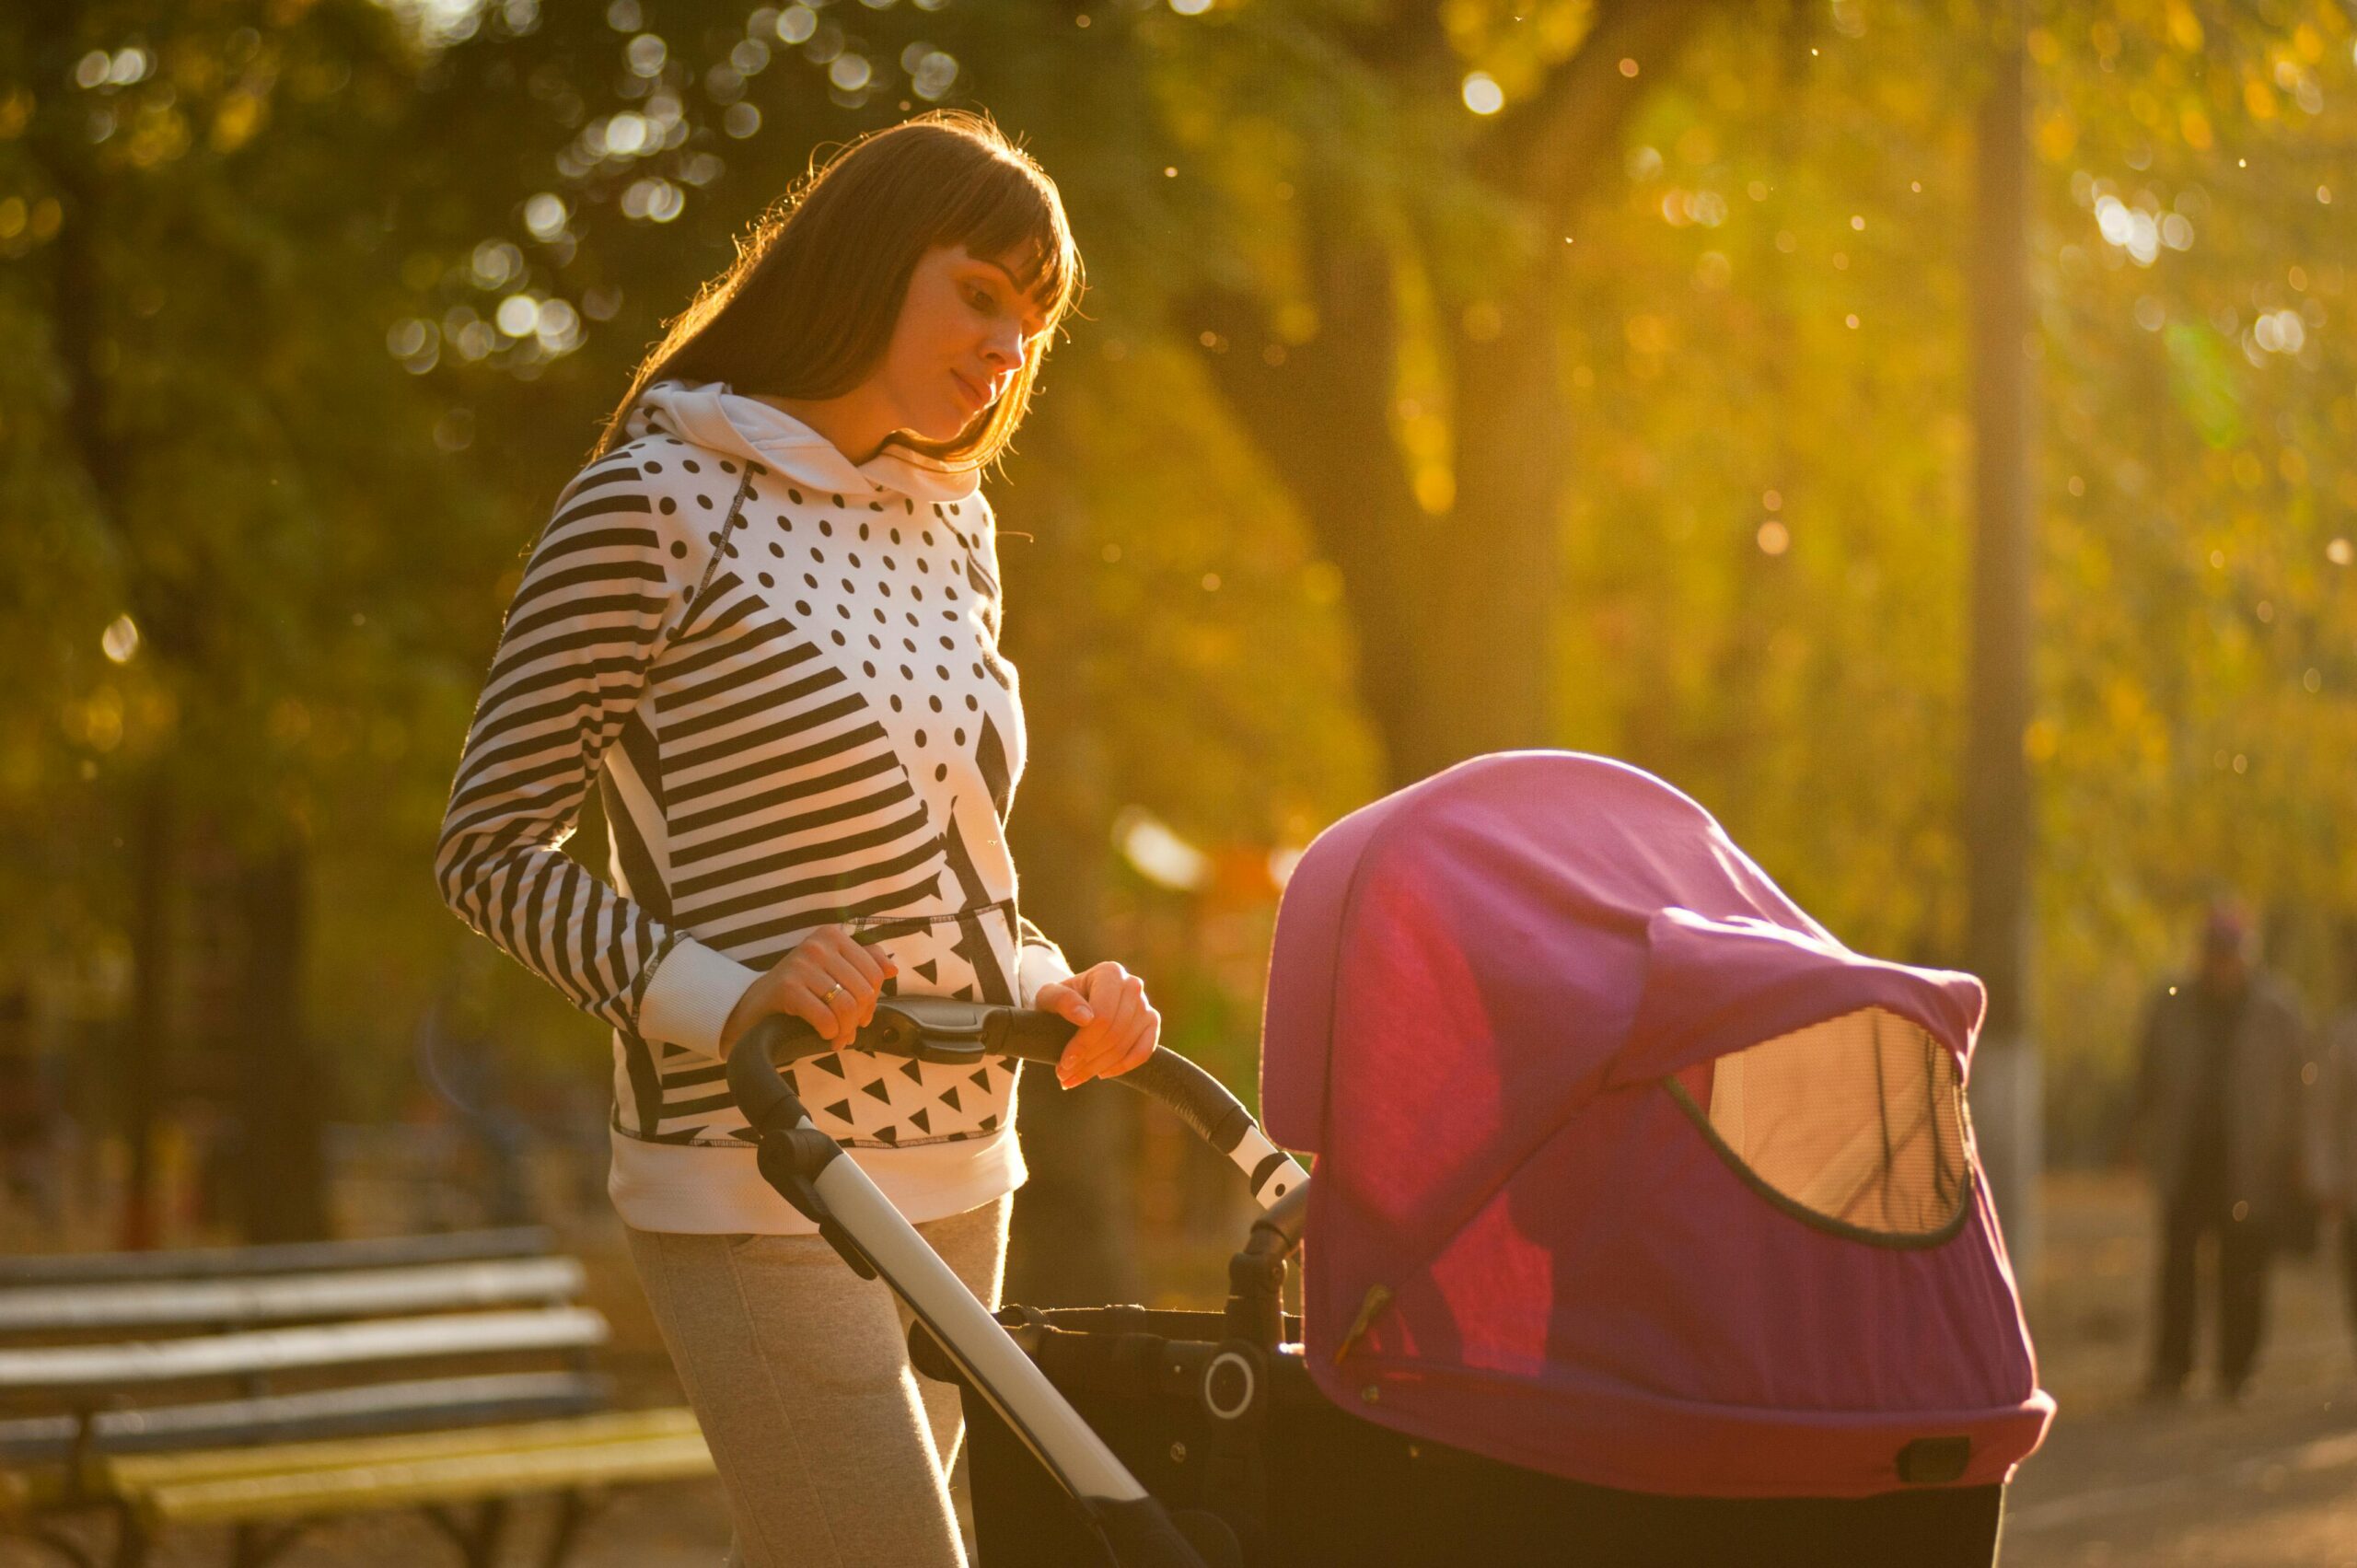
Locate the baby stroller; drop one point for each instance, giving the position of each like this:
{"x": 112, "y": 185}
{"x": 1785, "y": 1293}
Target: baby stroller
{"x": 1646, "y": 1228}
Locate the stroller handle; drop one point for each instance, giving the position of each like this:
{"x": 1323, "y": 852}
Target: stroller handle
{"x": 804, "y": 1165}
{"x": 945, "y": 1029}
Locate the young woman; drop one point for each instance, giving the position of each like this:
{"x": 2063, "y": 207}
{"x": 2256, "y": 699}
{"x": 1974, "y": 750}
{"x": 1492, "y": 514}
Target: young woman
{"x": 763, "y": 620}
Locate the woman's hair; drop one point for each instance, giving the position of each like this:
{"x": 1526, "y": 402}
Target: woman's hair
{"x": 807, "y": 309}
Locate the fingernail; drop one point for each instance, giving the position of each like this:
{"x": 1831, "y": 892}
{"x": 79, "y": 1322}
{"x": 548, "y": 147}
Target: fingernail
{"x": 1084, "y": 1013}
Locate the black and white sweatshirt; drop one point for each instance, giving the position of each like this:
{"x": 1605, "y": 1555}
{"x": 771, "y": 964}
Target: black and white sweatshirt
{"x": 780, "y": 671}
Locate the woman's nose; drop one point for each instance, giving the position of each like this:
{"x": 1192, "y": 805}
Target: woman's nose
{"x": 1005, "y": 348}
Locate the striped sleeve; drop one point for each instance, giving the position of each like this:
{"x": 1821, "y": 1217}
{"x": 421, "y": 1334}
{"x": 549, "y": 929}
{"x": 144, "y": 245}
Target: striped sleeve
{"x": 598, "y": 596}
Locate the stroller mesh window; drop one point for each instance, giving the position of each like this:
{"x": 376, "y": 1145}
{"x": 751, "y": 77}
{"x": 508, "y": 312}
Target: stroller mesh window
{"x": 1858, "y": 1120}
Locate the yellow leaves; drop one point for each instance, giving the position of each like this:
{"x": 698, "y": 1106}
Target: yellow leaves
{"x": 290, "y": 722}
{"x": 1650, "y": 334}
{"x": 1321, "y": 582}
{"x": 23, "y": 225}
{"x": 16, "y": 112}
{"x": 240, "y": 114}
{"x": 2045, "y": 49}
{"x": 96, "y": 721}
{"x": 2184, "y": 26}
{"x": 2249, "y": 472}
{"x": 2292, "y": 464}
{"x": 2193, "y": 124}
{"x": 2258, "y": 99}
{"x": 159, "y": 136}
{"x": 1436, "y": 489}
{"x": 2058, "y": 136}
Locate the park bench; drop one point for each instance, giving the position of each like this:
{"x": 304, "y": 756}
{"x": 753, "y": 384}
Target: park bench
{"x": 246, "y": 1387}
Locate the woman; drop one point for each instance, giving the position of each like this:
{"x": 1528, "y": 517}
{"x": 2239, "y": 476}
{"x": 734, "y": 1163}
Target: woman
{"x": 765, "y": 621}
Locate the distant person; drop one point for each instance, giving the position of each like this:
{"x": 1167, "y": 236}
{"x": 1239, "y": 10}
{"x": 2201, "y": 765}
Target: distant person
{"x": 2219, "y": 1101}
{"x": 2336, "y": 1140}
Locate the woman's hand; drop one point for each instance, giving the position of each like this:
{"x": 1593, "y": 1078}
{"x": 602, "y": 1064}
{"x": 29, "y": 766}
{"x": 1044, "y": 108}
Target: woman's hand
{"x": 830, "y": 981}
{"x": 1117, "y": 1027}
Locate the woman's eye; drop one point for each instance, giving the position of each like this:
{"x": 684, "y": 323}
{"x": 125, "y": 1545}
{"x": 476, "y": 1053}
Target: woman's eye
{"x": 982, "y": 301}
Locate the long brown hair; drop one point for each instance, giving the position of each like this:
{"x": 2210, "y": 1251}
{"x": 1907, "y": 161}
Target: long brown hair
{"x": 807, "y": 309}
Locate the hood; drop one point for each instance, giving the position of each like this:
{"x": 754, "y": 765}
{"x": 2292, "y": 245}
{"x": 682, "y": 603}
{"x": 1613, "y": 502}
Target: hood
{"x": 711, "y": 416}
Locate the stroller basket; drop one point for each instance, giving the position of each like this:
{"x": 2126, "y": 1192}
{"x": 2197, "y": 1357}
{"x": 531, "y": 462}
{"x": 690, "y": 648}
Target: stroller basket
{"x": 1298, "y": 1482}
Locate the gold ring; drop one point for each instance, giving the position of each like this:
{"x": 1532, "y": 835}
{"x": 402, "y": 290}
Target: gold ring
{"x": 828, "y": 994}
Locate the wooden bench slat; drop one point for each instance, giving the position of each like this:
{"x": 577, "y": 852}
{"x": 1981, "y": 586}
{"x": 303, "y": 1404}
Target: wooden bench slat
{"x": 310, "y": 1414}
{"x": 230, "y": 1302}
{"x": 149, "y": 1362}
{"x": 133, "y": 1474}
{"x": 455, "y": 1479}
{"x": 282, "y": 1258}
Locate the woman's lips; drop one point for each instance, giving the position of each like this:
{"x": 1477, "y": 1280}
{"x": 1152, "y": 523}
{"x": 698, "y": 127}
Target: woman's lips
{"x": 973, "y": 394}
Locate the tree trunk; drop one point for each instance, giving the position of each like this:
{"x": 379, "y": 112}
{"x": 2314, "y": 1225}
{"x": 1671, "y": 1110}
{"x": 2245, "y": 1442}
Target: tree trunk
{"x": 283, "y": 1093}
{"x": 1997, "y": 825}
{"x": 1486, "y": 664}
{"x": 141, "y": 1057}
{"x": 1453, "y": 614}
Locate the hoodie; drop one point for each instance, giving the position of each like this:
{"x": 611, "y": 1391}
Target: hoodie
{"x": 780, "y": 670}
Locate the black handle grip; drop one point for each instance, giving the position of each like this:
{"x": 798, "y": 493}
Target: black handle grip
{"x": 940, "y": 1028}
{"x": 931, "y": 1029}
{"x": 753, "y": 1077}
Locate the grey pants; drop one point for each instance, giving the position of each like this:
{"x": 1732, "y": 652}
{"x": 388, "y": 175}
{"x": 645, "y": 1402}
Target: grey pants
{"x": 834, "y": 1453}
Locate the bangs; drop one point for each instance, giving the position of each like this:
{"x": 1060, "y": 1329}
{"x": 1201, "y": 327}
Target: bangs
{"x": 1009, "y": 209}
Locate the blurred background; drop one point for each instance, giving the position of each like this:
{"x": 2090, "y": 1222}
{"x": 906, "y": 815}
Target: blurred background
{"x": 1922, "y": 432}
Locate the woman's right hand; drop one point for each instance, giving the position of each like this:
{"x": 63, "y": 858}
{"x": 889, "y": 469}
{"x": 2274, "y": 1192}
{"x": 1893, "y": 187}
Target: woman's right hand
{"x": 830, "y": 981}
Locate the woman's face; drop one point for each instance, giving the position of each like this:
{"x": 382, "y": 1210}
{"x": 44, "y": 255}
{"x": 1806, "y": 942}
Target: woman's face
{"x": 963, "y": 337}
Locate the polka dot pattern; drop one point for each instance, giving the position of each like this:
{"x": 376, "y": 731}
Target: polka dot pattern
{"x": 873, "y": 575}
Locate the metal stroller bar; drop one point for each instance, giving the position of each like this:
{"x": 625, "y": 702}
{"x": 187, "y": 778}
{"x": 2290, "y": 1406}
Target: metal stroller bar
{"x": 874, "y": 1238}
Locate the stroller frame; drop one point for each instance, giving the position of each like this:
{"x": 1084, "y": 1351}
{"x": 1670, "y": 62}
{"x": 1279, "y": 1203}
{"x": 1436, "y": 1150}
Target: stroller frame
{"x": 807, "y": 1168}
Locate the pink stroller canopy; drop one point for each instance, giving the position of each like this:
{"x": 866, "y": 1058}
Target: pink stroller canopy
{"x": 1628, "y": 1171}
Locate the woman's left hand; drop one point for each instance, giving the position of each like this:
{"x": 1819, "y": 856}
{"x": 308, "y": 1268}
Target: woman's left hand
{"x": 1118, "y": 1026}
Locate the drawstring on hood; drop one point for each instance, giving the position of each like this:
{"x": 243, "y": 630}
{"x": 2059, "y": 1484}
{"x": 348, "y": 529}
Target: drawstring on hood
{"x": 711, "y": 416}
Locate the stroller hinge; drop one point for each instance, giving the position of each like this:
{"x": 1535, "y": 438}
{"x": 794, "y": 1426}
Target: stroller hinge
{"x": 791, "y": 1161}
{"x": 1256, "y": 1283}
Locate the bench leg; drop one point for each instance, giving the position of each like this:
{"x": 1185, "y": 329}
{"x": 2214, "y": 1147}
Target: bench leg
{"x": 66, "y": 1546}
{"x": 478, "y": 1540}
{"x": 573, "y": 1511}
{"x": 131, "y": 1539}
{"x": 253, "y": 1545}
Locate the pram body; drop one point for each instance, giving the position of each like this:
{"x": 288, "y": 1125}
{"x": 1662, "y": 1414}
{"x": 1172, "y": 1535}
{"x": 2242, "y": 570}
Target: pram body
{"x": 1645, "y": 1229}
{"x": 1307, "y": 1484}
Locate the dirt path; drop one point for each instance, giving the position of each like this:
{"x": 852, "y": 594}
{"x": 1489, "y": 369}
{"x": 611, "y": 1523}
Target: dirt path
{"x": 2271, "y": 1483}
